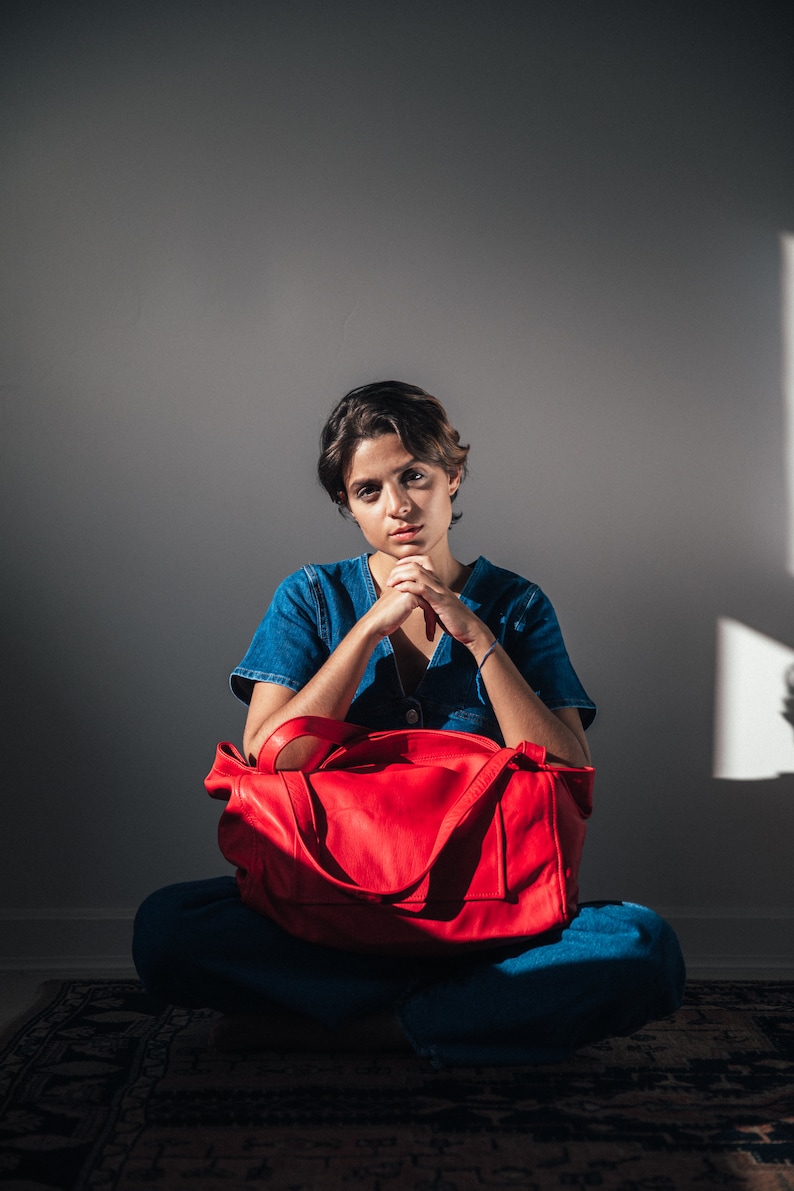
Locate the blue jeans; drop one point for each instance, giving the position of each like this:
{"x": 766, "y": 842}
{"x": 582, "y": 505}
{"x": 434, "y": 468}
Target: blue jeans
{"x": 614, "y": 968}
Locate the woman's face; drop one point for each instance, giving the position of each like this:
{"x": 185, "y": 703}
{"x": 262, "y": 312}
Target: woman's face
{"x": 402, "y": 505}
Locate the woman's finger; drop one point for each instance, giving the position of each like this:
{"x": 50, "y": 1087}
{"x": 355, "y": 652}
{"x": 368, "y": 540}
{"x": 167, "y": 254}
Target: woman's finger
{"x": 430, "y": 621}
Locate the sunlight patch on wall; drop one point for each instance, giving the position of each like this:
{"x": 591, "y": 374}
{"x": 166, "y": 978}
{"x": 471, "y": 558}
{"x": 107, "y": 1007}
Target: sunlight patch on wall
{"x": 754, "y": 729}
{"x": 787, "y": 272}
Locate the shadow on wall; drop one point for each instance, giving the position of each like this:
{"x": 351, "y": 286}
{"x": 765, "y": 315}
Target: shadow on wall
{"x": 755, "y": 705}
{"x": 788, "y": 702}
{"x": 755, "y": 674}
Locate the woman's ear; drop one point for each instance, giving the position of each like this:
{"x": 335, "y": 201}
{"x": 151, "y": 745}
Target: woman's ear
{"x": 454, "y": 481}
{"x": 344, "y": 507}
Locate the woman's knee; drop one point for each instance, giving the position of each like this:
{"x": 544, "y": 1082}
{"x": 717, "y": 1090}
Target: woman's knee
{"x": 641, "y": 945}
{"x": 165, "y": 937}
{"x": 154, "y": 932}
{"x": 655, "y": 953}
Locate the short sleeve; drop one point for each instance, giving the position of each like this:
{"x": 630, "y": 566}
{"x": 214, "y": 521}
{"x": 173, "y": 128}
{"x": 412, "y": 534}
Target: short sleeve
{"x": 288, "y": 647}
{"x": 534, "y": 641}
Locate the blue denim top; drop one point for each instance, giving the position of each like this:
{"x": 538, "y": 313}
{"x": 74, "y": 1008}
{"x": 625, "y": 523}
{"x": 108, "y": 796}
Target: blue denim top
{"x": 313, "y": 609}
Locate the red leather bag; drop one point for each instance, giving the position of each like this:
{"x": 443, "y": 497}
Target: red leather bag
{"x": 413, "y": 841}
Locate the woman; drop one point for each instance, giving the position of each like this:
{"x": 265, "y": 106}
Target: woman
{"x": 408, "y": 635}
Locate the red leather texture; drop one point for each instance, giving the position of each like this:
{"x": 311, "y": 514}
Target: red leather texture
{"x": 412, "y": 841}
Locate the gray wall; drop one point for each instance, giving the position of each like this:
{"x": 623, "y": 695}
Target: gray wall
{"x": 564, "y": 218}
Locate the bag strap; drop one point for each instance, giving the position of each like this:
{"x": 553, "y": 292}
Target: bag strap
{"x": 481, "y": 787}
{"x": 331, "y": 731}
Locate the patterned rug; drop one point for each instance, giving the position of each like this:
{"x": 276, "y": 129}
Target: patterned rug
{"x": 98, "y": 1090}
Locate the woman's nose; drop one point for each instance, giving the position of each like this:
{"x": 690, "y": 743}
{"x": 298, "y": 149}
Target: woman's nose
{"x": 398, "y": 503}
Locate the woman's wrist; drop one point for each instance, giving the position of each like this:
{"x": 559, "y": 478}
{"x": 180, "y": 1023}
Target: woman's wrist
{"x": 487, "y": 654}
{"x": 366, "y": 633}
{"x": 481, "y": 648}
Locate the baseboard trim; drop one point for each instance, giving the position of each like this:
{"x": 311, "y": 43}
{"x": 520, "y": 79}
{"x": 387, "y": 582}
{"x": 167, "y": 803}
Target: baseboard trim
{"x": 729, "y": 943}
{"x": 717, "y": 943}
{"x": 58, "y": 939}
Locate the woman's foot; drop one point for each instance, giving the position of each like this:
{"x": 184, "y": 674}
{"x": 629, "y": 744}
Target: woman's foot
{"x": 250, "y": 1032}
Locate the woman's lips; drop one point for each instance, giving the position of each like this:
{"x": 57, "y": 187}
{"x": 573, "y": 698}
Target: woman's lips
{"x": 403, "y": 535}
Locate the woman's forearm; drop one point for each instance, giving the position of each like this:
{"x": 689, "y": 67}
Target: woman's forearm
{"x": 523, "y": 716}
{"x": 329, "y": 693}
{"x": 332, "y": 689}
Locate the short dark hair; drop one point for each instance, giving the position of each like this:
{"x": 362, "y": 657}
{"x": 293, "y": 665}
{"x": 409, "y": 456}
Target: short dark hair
{"x": 387, "y": 407}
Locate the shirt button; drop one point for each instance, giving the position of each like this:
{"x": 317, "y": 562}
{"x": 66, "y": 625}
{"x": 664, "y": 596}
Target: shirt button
{"x": 412, "y": 716}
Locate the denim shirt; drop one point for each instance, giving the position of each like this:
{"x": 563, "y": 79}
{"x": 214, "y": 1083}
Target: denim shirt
{"x": 315, "y": 608}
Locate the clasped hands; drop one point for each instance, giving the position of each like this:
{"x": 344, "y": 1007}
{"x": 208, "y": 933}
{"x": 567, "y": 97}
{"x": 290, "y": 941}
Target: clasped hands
{"x": 414, "y": 584}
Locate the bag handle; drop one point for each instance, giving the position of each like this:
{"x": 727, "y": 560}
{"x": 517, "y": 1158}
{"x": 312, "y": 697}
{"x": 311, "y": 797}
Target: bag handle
{"x": 332, "y": 731}
{"x": 481, "y": 786}
{"x": 229, "y": 762}
{"x": 341, "y": 733}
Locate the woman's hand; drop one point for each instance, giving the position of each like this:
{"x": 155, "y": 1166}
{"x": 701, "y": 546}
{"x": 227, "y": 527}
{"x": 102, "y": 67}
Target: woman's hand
{"x": 393, "y": 607}
{"x": 414, "y": 577}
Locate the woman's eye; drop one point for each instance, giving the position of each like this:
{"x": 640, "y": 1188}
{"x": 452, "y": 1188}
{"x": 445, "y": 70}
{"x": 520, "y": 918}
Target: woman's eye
{"x": 366, "y": 493}
{"x": 413, "y": 476}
